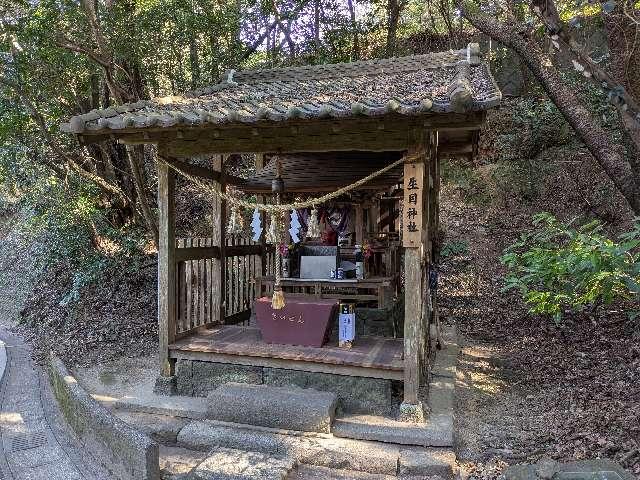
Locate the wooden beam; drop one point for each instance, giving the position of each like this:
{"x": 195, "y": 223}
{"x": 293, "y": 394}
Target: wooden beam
{"x": 382, "y": 125}
{"x": 202, "y": 172}
{"x": 166, "y": 267}
{"x": 196, "y": 253}
{"x": 300, "y": 365}
{"x": 456, "y": 149}
{"x": 236, "y": 250}
{"x": 373, "y": 142}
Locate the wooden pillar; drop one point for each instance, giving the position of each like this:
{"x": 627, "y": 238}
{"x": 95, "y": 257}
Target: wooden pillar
{"x": 374, "y": 215}
{"x": 261, "y": 268}
{"x": 436, "y": 192}
{"x": 437, "y": 335}
{"x": 218, "y": 239}
{"x": 166, "y": 266}
{"x": 414, "y": 226}
{"x": 359, "y": 224}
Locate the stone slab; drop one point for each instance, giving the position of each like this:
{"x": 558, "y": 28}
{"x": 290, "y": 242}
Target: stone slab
{"x": 355, "y": 394}
{"x": 421, "y": 462}
{"x": 290, "y": 408}
{"x": 161, "y": 428}
{"x": 129, "y": 453}
{"x": 176, "y": 406}
{"x": 436, "y": 432}
{"x": 597, "y": 469}
{"x": 165, "y": 385}
{"x": 178, "y": 461}
{"x": 311, "y": 472}
{"x": 447, "y": 357}
{"x": 231, "y": 464}
{"x": 441, "y": 395}
{"x": 370, "y": 457}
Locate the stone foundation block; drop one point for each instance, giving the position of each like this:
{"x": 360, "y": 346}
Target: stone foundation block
{"x": 426, "y": 463}
{"x": 355, "y": 394}
{"x": 184, "y": 384}
{"x": 411, "y": 412}
{"x": 197, "y": 379}
{"x": 165, "y": 385}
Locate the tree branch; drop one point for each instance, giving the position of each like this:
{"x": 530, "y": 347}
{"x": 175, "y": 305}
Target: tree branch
{"x": 610, "y": 156}
{"x": 37, "y": 117}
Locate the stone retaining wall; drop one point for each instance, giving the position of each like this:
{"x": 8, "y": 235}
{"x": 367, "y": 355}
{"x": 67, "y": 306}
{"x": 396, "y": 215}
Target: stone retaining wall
{"x": 126, "y": 452}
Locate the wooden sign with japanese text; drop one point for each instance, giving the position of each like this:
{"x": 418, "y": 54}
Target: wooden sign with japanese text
{"x": 412, "y": 210}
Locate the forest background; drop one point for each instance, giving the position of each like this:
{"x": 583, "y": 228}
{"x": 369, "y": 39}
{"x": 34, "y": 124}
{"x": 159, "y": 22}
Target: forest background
{"x": 78, "y": 224}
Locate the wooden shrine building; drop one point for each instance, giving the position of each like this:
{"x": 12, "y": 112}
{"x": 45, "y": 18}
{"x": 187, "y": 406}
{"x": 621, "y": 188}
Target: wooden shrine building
{"x": 319, "y": 128}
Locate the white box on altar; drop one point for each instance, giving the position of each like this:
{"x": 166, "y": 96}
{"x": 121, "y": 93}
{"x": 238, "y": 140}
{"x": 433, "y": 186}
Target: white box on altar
{"x": 346, "y": 324}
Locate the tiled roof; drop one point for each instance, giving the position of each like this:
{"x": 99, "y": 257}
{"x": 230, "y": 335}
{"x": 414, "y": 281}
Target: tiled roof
{"x": 453, "y": 81}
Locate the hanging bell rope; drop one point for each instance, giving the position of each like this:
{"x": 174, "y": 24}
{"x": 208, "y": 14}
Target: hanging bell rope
{"x": 277, "y": 187}
{"x": 271, "y": 208}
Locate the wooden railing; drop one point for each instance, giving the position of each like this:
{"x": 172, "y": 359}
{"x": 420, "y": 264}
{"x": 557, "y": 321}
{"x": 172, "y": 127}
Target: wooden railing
{"x": 201, "y": 298}
{"x": 243, "y": 263}
{"x": 195, "y": 273}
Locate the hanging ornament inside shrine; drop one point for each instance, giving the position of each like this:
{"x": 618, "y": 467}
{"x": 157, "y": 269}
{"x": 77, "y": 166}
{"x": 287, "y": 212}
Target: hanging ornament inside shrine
{"x": 294, "y": 228}
{"x": 236, "y": 222}
{"x": 256, "y": 226}
{"x": 313, "y": 226}
{"x": 272, "y": 229}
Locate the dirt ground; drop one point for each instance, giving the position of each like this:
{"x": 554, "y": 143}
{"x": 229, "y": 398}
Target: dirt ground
{"x": 527, "y": 388}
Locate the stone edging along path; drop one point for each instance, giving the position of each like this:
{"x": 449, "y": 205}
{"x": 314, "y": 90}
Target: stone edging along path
{"x": 126, "y": 452}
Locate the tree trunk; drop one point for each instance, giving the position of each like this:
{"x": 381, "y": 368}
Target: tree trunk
{"x": 316, "y": 24}
{"x": 194, "y": 62}
{"x": 354, "y": 28}
{"x": 393, "y": 18}
{"x": 135, "y": 155}
{"x": 610, "y": 155}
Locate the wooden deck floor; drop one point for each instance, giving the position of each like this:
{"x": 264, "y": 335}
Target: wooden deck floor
{"x": 375, "y": 357}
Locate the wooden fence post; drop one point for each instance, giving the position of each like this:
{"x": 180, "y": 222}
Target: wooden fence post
{"x": 166, "y": 266}
{"x": 218, "y": 239}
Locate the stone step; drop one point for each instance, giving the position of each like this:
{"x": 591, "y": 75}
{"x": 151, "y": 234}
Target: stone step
{"x": 436, "y": 432}
{"x": 287, "y": 408}
{"x": 310, "y": 472}
{"x": 177, "y": 462}
{"x": 175, "y": 405}
{"x": 161, "y": 428}
{"x": 327, "y": 451}
{"x": 231, "y": 464}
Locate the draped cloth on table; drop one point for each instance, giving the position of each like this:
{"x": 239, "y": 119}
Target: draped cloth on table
{"x": 336, "y": 217}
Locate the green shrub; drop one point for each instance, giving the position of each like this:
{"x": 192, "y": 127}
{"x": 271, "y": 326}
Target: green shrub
{"x": 557, "y": 267}
{"x": 454, "y": 248}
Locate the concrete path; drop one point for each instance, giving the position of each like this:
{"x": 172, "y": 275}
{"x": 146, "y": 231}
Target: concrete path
{"x": 35, "y": 444}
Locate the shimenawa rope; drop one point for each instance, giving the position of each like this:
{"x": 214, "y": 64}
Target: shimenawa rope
{"x": 276, "y": 210}
{"x": 232, "y": 200}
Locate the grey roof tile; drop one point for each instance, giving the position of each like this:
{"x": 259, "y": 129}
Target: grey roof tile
{"x": 407, "y": 85}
